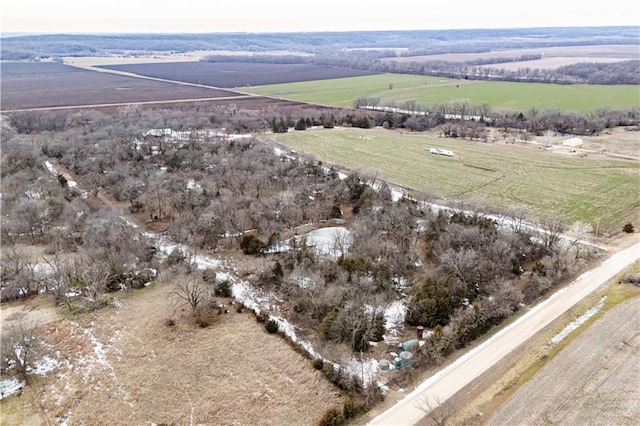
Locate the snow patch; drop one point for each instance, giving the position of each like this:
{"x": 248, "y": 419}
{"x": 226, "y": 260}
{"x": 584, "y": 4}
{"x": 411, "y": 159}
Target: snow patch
{"x": 394, "y": 315}
{"x": 396, "y": 194}
{"x": 333, "y": 241}
{"x": 250, "y": 296}
{"x": 577, "y": 323}
{"x": 365, "y": 370}
{"x": 193, "y": 185}
{"x": 288, "y": 330}
{"x": 10, "y": 387}
{"x": 45, "y": 365}
{"x": 166, "y": 247}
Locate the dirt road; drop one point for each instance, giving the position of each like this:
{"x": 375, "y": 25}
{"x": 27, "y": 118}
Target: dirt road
{"x": 451, "y": 379}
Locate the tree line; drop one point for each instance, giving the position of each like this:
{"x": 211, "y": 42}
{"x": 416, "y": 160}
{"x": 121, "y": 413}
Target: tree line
{"x": 622, "y": 72}
{"x": 416, "y": 42}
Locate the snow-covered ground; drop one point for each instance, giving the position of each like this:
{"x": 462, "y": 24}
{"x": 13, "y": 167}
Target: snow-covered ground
{"x": 166, "y": 247}
{"x": 10, "y": 387}
{"x": 366, "y": 370}
{"x": 394, "y": 315}
{"x": 70, "y": 183}
{"x": 170, "y": 135}
{"x": 44, "y": 365}
{"x": 577, "y": 323}
{"x": 334, "y": 241}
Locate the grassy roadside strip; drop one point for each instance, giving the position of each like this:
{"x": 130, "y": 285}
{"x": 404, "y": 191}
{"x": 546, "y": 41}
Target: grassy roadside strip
{"x": 473, "y": 406}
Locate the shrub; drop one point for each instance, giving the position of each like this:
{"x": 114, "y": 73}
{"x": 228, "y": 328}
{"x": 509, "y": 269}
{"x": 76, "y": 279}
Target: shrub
{"x": 223, "y": 289}
{"x": 209, "y": 276}
{"x": 301, "y": 125}
{"x": 277, "y": 271}
{"x": 176, "y": 257}
{"x": 272, "y": 326}
{"x": 318, "y": 363}
{"x": 332, "y": 417}
{"x": 169, "y": 322}
{"x": 250, "y": 244}
{"x": 336, "y": 211}
{"x": 351, "y": 408}
{"x": 202, "y": 322}
{"x": 628, "y": 228}
{"x": 261, "y": 318}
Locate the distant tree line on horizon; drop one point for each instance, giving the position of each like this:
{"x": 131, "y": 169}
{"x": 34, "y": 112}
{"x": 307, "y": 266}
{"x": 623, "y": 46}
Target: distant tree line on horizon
{"x": 405, "y": 43}
{"x": 623, "y": 72}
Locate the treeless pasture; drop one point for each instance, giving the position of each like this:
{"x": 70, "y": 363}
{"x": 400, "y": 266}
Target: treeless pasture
{"x": 125, "y": 365}
{"x": 596, "y": 190}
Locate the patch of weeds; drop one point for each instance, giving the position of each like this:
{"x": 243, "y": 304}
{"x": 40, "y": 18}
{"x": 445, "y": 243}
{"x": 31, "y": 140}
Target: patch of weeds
{"x": 202, "y": 322}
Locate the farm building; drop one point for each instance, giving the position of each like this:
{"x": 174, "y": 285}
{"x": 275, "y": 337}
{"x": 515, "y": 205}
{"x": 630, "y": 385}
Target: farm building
{"x": 573, "y": 142}
{"x": 444, "y": 152}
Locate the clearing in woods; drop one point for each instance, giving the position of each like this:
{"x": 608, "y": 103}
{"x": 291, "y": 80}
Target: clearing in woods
{"x": 125, "y": 365}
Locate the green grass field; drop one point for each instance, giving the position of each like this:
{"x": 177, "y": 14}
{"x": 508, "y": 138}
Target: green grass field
{"x": 592, "y": 190}
{"x": 499, "y": 95}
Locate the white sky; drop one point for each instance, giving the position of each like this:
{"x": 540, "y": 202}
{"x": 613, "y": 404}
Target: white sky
{"x": 200, "y": 16}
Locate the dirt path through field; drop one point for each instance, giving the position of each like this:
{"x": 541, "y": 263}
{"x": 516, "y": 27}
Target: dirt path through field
{"x": 37, "y": 311}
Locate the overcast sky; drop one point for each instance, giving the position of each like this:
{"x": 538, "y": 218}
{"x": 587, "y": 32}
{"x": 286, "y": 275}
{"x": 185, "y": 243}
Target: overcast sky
{"x": 198, "y": 16}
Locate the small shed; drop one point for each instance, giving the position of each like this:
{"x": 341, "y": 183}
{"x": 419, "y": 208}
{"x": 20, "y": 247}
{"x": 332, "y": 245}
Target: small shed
{"x": 573, "y": 142}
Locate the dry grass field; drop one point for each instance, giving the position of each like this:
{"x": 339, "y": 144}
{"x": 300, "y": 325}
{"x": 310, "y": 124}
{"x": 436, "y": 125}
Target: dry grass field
{"x": 594, "y": 380}
{"x": 123, "y": 365}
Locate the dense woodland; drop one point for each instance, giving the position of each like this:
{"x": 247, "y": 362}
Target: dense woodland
{"x": 458, "y": 274}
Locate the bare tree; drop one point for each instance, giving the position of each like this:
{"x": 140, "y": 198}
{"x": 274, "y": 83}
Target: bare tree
{"x": 19, "y": 342}
{"x": 191, "y": 290}
{"x": 341, "y": 241}
{"x": 550, "y": 231}
{"x": 57, "y": 279}
{"x": 462, "y": 264}
{"x": 95, "y": 276}
{"x": 516, "y": 216}
{"x": 576, "y": 233}
{"x": 435, "y": 414}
